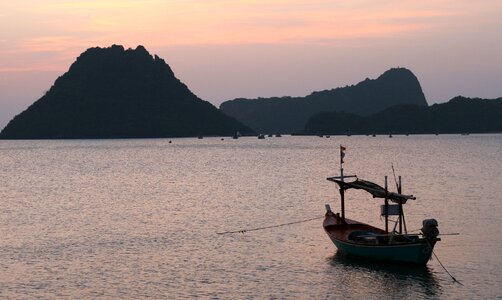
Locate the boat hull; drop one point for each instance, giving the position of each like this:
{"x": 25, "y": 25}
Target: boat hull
{"x": 412, "y": 253}
{"x": 417, "y": 251}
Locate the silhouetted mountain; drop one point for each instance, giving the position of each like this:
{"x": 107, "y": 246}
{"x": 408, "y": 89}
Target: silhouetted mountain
{"x": 459, "y": 115}
{"x": 289, "y": 114}
{"x": 117, "y": 93}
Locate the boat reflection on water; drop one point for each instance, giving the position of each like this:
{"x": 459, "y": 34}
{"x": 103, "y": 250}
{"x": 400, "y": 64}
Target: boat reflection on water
{"x": 358, "y": 278}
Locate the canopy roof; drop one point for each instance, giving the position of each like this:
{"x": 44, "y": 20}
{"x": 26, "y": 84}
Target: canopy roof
{"x": 372, "y": 188}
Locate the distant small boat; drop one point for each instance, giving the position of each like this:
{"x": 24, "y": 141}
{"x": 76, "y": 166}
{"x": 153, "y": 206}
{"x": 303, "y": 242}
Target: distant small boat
{"x": 200, "y": 137}
{"x": 373, "y": 135}
{"x": 365, "y": 241}
{"x": 261, "y": 136}
{"x": 328, "y": 136}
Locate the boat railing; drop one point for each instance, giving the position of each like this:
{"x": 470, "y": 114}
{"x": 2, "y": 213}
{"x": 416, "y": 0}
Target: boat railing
{"x": 387, "y": 238}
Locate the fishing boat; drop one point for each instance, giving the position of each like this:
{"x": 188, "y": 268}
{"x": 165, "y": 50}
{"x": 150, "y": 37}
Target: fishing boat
{"x": 361, "y": 240}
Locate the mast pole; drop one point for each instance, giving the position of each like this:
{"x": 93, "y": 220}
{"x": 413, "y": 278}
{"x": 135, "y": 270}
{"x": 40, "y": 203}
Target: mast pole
{"x": 401, "y": 208}
{"x": 342, "y": 203}
{"x": 401, "y": 213}
{"x": 342, "y": 190}
{"x": 386, "y": 208}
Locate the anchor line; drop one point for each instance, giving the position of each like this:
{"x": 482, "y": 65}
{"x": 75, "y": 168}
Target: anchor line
{"x": 272, "y": 226}
{"x": 440, "y": 263}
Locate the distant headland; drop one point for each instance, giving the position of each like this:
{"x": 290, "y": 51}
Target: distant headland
{"x": 459, "y": 115}
{"x": 117, "y": 93}
{"x": 290, "y": 114}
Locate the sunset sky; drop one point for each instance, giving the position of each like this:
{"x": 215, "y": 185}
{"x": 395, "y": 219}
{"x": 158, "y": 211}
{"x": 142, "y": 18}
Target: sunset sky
{"x": 224, "y": 49}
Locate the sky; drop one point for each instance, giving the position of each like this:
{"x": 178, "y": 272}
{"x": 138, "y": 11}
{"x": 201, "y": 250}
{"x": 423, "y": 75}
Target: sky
{"x": 225, "y": 49}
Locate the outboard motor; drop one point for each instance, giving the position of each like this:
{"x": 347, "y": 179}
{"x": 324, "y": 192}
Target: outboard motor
{"x": 430, "y": 229}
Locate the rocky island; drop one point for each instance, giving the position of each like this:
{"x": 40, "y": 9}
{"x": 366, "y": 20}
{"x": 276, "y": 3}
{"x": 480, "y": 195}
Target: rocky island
{"x": 117, "y": 93}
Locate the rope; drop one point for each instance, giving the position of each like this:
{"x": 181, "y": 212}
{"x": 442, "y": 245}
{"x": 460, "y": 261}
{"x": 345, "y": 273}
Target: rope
{"x": 454, "y": 279}
{"x": 272, "y": 226}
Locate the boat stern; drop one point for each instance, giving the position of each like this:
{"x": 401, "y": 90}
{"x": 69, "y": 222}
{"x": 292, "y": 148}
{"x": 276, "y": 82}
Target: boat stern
{"x": 430, "y": 231}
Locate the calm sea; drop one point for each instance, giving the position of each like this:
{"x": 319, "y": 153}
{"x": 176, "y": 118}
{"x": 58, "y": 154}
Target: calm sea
{"x": 138, "y": 218}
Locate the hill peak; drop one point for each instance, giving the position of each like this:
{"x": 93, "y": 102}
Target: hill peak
{"x": 398, "y": 71}
{"x": 114, "y": 92}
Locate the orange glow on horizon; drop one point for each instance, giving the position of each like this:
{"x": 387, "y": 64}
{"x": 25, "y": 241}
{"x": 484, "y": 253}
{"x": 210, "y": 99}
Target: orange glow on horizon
{"x": 69, "y": 27}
